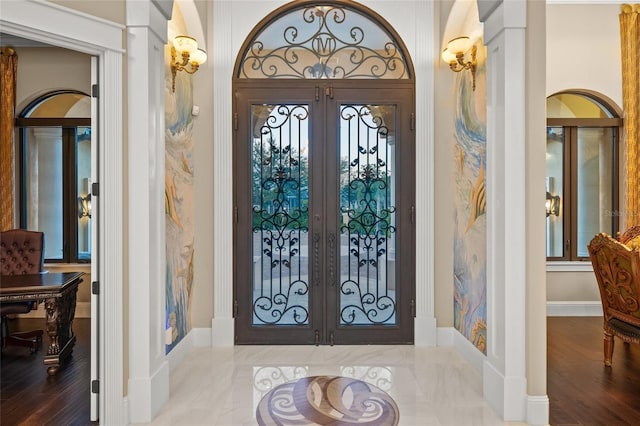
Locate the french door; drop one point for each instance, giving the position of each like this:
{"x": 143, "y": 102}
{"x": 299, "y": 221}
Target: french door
{"x": 324, "y": 213}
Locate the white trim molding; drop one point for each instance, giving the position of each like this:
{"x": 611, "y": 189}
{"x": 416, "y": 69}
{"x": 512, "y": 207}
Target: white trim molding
{"x": 148, "y": 365}
{"x": 537, "y": 410}
{"x": 196, "y": 338}
{"x": 222, "y": 327}
{"x": 505, "y": 368}
{"x": 553, "y": 266}
{"x": 424, "y": 56}
{"x": 537, "y": 407}
{"x": 574, "y": 309}
{"x": 449, "y": 336}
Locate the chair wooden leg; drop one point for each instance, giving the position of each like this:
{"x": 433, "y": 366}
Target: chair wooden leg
{"x": 28, "y": 339}
{"x": 608, "y": 348}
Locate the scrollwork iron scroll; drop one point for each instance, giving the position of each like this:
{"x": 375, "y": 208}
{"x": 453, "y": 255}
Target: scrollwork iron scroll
{"x": 328, "y": 41}
{"x": 368, "y": 222}
{"x": 280, "y": 217}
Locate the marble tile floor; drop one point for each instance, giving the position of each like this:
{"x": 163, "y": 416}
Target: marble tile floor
{"x": 223, "y": 386}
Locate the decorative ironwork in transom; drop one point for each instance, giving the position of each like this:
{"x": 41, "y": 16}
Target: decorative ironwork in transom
{"x": 324, "y": 41}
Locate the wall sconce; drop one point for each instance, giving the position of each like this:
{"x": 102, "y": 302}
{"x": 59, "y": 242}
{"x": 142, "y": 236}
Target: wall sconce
{"x": 84, "y": 206}
{"x": 185, "y": 56}
{"x": 454, "y": 55}
{"x": 552, "y": 204}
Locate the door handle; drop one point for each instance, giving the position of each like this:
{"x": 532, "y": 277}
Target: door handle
{"x": 316, "y": 259}
{"x": 332, "y": 253}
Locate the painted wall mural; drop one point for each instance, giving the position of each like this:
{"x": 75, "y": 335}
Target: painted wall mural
{"x": 179, "y": 207}
{"x": 470, "y": 226}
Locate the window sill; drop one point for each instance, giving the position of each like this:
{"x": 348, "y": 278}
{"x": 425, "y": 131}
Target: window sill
{"x": 566, "y": 266}
{"x": 52, "y": 266}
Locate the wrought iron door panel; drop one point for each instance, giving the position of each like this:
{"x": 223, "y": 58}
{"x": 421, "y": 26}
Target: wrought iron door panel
{"x": 280, "y": 217}
{"x": 367, "y": 215}
{"x": 324, "y": 194}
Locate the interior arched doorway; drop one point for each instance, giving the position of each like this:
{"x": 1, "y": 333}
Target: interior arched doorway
{"x": 324, "y": 196}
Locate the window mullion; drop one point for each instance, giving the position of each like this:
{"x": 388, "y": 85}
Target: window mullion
{"x": 68, "y": 164}
{"x": 572, "y": 217}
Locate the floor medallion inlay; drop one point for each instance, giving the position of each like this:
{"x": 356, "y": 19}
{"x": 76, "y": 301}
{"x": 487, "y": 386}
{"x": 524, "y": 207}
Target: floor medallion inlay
{"x": 327, "y": 400}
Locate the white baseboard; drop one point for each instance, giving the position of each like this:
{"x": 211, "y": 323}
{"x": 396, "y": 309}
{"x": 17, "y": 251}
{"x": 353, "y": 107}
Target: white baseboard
{"x": 222, "y": 332}
{"x": 449, "y": 336}
{"x": 125, "y": 407}
{"x": 148, "y": 394}
{"x": 179, "y": 351}
{"x": 425, "y": 333}
{"x": 574, "y": 309}
{"x": 83, "y": 310}
{"x": 445, "y": 336}
{"x": 196, "y": 338}
{"x": 201, "y": 337}
{"x": 507, "y": 395}
{"x": 538, "y": 410}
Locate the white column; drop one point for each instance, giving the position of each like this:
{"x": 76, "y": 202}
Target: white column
{"x": 148, "y": 368}
{"x": 223, "y": 60}
{"x": 504, "y": 370}
{"x": 424, "y": 57}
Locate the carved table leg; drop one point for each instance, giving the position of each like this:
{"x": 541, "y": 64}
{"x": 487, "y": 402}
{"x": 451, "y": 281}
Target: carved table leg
{"x": 60, "y": 314}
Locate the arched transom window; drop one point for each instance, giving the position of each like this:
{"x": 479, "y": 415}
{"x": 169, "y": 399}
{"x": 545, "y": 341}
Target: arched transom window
{"x": 323, "y": 40}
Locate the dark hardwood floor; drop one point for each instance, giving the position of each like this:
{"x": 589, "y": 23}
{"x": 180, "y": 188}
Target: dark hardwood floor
{"x": 582, "y": 391}
{"x": 28, "y": 396}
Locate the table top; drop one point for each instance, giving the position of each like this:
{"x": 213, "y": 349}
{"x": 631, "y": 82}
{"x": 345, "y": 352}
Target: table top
{"x": 50, "y": 282}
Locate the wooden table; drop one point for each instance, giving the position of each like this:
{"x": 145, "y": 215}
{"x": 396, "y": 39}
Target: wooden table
{"x": 58, "y": 291}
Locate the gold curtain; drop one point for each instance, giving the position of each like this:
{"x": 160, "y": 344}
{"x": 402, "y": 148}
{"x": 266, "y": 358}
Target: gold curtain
{"x": 8, "y": 75}
{"x": 630, "y": 44}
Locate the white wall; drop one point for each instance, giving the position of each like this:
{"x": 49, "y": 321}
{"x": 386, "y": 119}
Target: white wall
{"x": 44, "y": 69}
{"x": 583, "y": 51}
{"x": 443, "y": 170}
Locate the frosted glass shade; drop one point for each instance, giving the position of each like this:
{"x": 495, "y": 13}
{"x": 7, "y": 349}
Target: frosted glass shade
{"x": 448, "y": 56}
{"x": 459, "y": 45}
{"x": 198, "y": 57}
{"x": 185, "y": 44}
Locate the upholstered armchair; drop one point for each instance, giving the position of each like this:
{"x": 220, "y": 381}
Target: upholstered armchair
{"x": 616, "y": 264}
{"x": 21, "y": 252}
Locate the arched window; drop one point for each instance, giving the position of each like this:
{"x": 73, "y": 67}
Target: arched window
{"x": 323, "y": 40}
{"x": 55, "y": 170}
{"x": 582, "y": 165}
